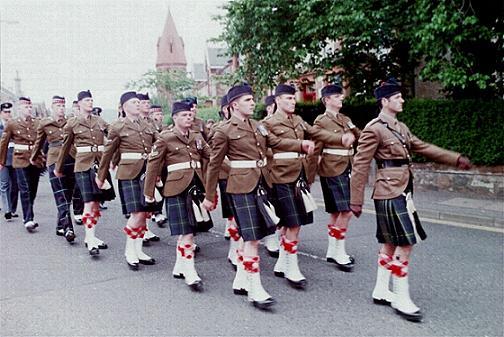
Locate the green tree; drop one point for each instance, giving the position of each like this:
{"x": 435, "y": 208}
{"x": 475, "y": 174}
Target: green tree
{"x": 460, "y": 46}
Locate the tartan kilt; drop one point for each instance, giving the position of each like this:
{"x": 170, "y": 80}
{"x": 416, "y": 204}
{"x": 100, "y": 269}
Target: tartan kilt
{"x": 131, "y": 195}
{"x": 290, "y": 207}
{"x": 181, "y": 216}
{"x": 89, "y": 190}
{"x": 226, "y": 206}
{"x": 394, "y": 225}
{"x": 250, "y": 221}
{"x": 336, "y": 191}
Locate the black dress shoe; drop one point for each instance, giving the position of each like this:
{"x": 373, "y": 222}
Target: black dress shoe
{"x": 197, "y": 249}
{"x": 155, "y": 238}
{"x": 69, "y": 235}
{"x": 381, "y": 301}
{"x": 100, "y": 246}
{"x": 196, "y": 286}
{"x": 94, "y": 251}
{"x": 298, "y": 284}
{"x": 416, "y": 317}
{"x": 60, "y": 231}
{"x": 264, "y": 305}
{"x": 273, "y": 253}
{"x": 240, "y": 291}
{"x": 348, "y": 267}
{"x": 232, "y": 264}
{"x": 14, "y": 215}
{"x": 8, "y": 216}
{"x": 103, "y": 207}
{"x": 132, "y": 266}
{"x": 149, "y": 262}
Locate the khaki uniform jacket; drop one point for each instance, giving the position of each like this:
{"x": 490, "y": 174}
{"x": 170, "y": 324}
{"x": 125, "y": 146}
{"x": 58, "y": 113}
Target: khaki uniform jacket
{"x": 52, "y": 131}
{"x": 225, "y": 168}
{"x": 20, "y": 131}
{"x": 377, "y": 141}
{"x": 199, "y": 125}
{"x": 331, "y": 165}
{"x": 239, "y": 140}
{"x": 83, "y": 131}
{"x": 284, "y": 171}
{"x": 126, "y": 136}
{"x": 173, "y": 148}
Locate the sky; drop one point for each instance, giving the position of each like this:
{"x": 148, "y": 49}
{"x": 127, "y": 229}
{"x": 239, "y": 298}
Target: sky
{"x": 60, "y": 47}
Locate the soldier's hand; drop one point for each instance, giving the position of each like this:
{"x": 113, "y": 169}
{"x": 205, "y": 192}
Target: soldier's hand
{"x": 58, "y": 174}
{"x": 356, "y": 210}
{"x": 464, "y": 163}
{"x": 149, "y": 200}
{"x": 348, "y": 139}
{"x": 308, "y": 146}
{"x": 99, "y": 182}
{"x": 208, "y": 205}
{"x": 1, "y": 166}
{"x": 112, "y": 166}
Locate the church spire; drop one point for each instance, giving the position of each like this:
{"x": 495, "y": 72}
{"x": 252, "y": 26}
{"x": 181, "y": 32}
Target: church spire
{"x": 170, "y": 48}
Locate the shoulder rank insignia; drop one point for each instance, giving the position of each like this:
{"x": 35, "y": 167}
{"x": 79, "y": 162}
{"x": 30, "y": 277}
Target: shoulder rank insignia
{"x": 262, "y": 130}
{"x": 199, "y": 144}
{"x": 154, "y": 152}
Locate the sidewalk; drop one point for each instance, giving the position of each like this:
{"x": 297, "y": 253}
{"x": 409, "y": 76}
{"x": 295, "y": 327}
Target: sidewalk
{"x": 448, "y": 206}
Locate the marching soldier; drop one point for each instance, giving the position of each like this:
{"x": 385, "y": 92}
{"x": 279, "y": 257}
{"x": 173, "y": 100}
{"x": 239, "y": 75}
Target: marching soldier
{"x": 8, "y": 180}
{"x": 157, "y": 116}
{"x": 271, "y": 241}
{"x": 132, "y": 138}
{"x": 184, "y": 153}
{"x": 87, "y": 133}
{"x": 51, "y": 129}
{"x": 198, "y": 124}
{"x": 23, "y": 132}
{"x": 244, "y": 142}
{"x": 231, "y": 231}
{"x": 334, "y": 171}
{"x": 292, "y": 172}
{"x": 77, "y": 203}
{"x": 391, "y": 143}
{"x": 158, "y": 217}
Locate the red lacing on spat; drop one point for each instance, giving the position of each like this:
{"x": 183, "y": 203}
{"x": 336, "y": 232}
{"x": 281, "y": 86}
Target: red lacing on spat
{"x": 337, "y": 233}
{"x": 132, "y": 233}
{"x": 384, "y": 260}
{"x": 399, "y": 269}
{"x": 233, "y": 233}
{"x": 141, "y": 231}
{"x": 186, "y": 251}
{"x": 88, "y": 220}
{"x": 251, "y": 264}
{"x": 289, "y": 246}
{"x": 97, "y": 214}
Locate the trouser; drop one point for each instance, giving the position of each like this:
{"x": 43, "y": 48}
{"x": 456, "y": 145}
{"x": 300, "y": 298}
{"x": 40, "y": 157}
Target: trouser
{"x": 63, "y": 189}
{"x": 28, "y": 179}
{"x": 9, "y": 189}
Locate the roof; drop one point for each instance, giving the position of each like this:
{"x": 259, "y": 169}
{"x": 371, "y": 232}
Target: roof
{"x": 217, "y": 58}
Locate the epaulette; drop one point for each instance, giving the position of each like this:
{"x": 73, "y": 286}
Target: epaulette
{"x": 373, "y": 121}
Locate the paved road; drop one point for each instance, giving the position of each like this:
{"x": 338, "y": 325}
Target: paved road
{"x": 48, "y": 287}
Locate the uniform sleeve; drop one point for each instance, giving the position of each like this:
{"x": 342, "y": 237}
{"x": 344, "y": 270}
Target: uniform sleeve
{"x": 65, "y": 148}
{"x": 39, "y": 142}
{"x": 283, "y": 144}
{"x": 319, "y": 134}
{"x": 433, "y": 152}
{"x": 219, "y": 151}
{"x": 368, "y": 143}
{"x": 4, "y": 143}
{"x": 154, "y": 165}
{"x": 110, "y": 152}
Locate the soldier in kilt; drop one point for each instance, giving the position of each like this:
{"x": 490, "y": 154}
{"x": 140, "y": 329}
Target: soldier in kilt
{"x": 334, "y": 170}
{"x": 244, "y": 141}
{"x": 87, "y": 134}
{"x": 231, "y": 230}
{"x": 22, "y": 131}
{"x": 8, "y": 181}
{"x": 391, "y": 143}
{"x": 51, "y": 129}
{"x": 184, "y": 154}
{"x": 271, "y": 241}
{"x": 157, "y": 212}
{"x": 132, "y": 138}
{"x": 292, "y": 173}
